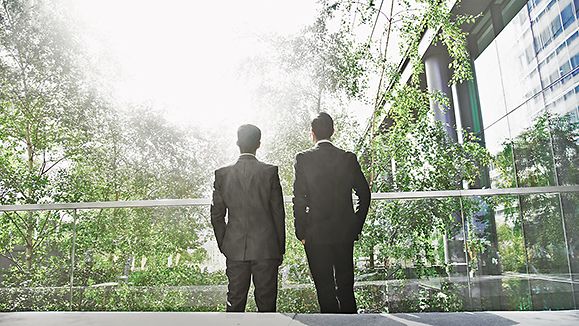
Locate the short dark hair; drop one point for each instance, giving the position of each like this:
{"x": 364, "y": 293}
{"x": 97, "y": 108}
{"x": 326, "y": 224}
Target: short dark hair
{"x": 323, "y": 126}
{"x": 248, "y": 138}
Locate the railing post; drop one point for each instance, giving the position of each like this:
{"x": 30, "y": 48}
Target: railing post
{"x": 567, "y": 249}
{"x": 525, "y": 239}
{"x": 72, "y": 255}
{"x": 465, "y": 230}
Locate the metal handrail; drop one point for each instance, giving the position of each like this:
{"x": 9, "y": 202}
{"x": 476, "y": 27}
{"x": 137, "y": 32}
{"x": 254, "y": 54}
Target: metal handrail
{"x": 412, "y": 195}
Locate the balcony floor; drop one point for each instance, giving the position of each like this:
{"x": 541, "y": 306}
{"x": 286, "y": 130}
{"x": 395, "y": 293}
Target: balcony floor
{"x": 500, "y": 318}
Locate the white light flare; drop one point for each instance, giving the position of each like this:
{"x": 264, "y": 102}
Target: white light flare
{"x": 183, "y": 57}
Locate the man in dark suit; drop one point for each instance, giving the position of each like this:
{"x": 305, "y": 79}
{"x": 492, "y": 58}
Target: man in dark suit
{"x": 253, "y": 238}
{"x": 325, "y": 219}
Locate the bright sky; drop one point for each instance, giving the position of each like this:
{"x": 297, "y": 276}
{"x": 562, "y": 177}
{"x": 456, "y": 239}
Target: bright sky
{"x": 183, "y": 56}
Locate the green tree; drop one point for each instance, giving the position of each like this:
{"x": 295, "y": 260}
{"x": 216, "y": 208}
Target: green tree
{"x": 46, "y": 114}
{"x": 406, "y": 150}
{"x": 63, "y": 142}
{"x": 140, "y": 156}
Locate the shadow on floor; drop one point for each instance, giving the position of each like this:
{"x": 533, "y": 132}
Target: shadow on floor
{"x": 458, "y": 319}
{"x": 430, "y": 319}
{"x": 347, "y": 320}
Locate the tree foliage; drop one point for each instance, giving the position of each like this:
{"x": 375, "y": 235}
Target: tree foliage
{"x": 407, "y": 150}
{"x": 63, "y": 141}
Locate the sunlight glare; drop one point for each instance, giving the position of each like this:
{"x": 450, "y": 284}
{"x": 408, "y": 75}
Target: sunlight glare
{"x": 183, "y": 57}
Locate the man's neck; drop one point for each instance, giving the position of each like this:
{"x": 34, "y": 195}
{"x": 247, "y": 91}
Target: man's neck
{"x": 247, "y": 154}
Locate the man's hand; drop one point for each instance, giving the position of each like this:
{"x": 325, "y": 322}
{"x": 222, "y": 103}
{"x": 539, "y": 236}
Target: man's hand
{"x": 304, "y": 242}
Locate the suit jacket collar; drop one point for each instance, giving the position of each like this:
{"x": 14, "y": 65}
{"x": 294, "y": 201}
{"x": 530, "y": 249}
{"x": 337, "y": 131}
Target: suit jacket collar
{"x": 324, "y": 143}
{"x": 247, "y": 156}
{"x": 244, "y": 174}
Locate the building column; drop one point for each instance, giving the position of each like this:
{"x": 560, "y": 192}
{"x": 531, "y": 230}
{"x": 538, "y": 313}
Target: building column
{"x": 464, "y": 113}
{"x": 438, "y": 74}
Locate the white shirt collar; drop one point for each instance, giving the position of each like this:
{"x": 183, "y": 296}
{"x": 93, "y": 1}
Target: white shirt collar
{"x": 323, "y": 141}
{"x": 246, "y": 154}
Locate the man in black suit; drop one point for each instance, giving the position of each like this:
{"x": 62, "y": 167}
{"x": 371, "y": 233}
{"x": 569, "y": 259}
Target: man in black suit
{"x": 325, "y": 219}
{"x": 253, "y": 238}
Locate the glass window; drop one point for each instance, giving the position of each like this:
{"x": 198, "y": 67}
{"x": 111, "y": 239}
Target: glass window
{"x": 529, "y": 54}
{"x": 546, "y": 37}
{"x": 566, "y": 148}
{"x": 532, "y": 147}
{"x": 556, "y": 27}
{"x": 565, "y": 68}
{"x": 567, "y": 16}
{"x": 560, "y": 48}
{"x": 502, "y": 228}
{"x": 537, "y": 44}
{"x": 489, "y": 85}
{"x": 571, "y": 211}
{"x": 547, "y": 252}
{"x": 507, "y": 80}
{"x": 553, "y": 77}
{"x": 502, "y": 174}
{"x": 515, "y": 74}
{"x": 575, "y": 61}
{"x": 572, "y": 38}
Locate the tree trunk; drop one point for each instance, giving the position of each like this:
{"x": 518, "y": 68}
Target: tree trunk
{"x": 29, "y": 241}
{"x": 30, "y": 223}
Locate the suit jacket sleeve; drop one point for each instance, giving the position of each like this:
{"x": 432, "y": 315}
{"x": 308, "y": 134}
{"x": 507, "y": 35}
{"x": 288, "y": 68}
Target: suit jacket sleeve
{"x": 218, "y": 211}
{"x": 278, "y": 210}
{"x": 300, "y": 199}
{"x": 362, "y": 191}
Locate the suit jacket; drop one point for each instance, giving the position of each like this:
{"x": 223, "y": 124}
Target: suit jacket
{"x": 249, "y": 193}
{"x": 323, "y": 206}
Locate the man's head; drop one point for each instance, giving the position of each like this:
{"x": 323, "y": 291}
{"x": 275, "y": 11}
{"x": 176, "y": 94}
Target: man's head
{"x": 248, "y": 138}
{"x": 322, "y": 127}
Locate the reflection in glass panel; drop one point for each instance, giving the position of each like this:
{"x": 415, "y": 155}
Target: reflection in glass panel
{"x": 146, "y": 259}
{"x": 411, "y": 257}
{"x": 518, "y": 67}
{"x": 490, "y": 89}
{"x": 533, "y": 271}
{"x": 35, "y": 260}
{"x": 547, "y": 252}
{"x": 525, "y": 116}
{"x": 511, "y": 289}
{"x": 564, "y": 132}
{"x": 483, "y": 255}
{"x": 516, "y": 77}
{"x": 502, "y": 173}
{"x": 533, "y": 155}
{"x": 571, "y": 212}
{"x": 556, "y": 62}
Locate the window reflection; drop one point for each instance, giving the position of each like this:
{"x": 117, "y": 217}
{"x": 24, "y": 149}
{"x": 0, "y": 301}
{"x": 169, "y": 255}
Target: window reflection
{"x": 528, "y": 86}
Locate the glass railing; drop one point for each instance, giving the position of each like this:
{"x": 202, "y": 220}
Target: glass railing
{"x": 493, "y": 249}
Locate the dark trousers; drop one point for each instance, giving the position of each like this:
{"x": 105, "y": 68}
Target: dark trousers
{"x": 332, "y": 267}
{"x": 264, "y": 274}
